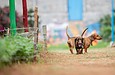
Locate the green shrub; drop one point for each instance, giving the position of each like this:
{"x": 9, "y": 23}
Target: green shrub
{"x": 16, "y": 49}
{"x": 106, "y": 27}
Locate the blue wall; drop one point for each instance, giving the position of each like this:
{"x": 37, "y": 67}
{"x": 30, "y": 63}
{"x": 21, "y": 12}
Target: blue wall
{"x": 75, "y": 10}
{"x": 94, "y": 26}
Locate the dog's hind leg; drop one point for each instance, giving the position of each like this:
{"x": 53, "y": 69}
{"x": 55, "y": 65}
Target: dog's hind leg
{"x": 71, "y": 51}
{"x": 85, "y": 50}
{"x": 70, "y": 46}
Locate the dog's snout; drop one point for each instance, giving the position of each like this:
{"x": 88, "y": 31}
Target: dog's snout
{"x": 80, "y": 44}
{"x": 100, "y": 38}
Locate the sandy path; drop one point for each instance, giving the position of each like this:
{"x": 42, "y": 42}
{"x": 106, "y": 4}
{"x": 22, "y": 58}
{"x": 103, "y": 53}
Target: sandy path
{"x": 96, "y": 62}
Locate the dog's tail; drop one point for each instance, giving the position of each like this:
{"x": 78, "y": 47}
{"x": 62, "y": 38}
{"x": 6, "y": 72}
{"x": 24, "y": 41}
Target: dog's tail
{"x": 84, "y": 31}
{"x": 67, "y": 33}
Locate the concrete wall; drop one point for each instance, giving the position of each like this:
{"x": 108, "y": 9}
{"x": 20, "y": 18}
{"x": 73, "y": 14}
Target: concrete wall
{"x": 57, "y": 11}
{"x": 53, "y": 10}
{"x": 95, "y": 9}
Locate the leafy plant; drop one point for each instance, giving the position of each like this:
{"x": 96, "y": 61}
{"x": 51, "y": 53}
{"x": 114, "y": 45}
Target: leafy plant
{"x": 106, "y": 27}
{"x": 15, "y": 49}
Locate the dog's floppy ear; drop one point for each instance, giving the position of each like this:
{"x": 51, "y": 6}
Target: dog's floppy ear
{"x": 82, "y": 39}
{"x": 92, "y": 39}
{"x": 76, "y": 39}
{"x": 83, "y": 32}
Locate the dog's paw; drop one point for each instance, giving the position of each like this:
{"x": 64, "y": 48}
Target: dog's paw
{"x": 86, "y": 53}
{"x": 77, "y": 53}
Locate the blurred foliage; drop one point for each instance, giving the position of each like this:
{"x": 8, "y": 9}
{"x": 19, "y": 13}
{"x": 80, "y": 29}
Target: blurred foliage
{"x": 14, "y": 49}
{"x": 30, "y": 17}
{"x": 5, "y": 20}
{"x": 106, "y": 27}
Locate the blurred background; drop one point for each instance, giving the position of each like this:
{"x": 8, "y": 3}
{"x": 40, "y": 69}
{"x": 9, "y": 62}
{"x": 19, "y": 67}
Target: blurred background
{"x": 57, "y": 14}
{"x": 22, "y": 52}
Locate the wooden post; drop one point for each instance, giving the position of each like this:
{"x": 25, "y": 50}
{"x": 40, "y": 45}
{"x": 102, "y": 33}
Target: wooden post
{"x": 45, "y": 36}
{"x": 35, "y": 32}
{"x": 37, "y": 27}
{"x": 8, "y": 32}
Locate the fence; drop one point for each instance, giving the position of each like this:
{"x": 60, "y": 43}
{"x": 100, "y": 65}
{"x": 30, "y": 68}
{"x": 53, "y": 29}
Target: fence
{"x": 33, "y": 33}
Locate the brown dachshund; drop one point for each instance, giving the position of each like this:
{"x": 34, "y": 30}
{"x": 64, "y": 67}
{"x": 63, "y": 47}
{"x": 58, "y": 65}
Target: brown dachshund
{"x": 71, "y": 41}
{"x": 88, "y": 40}
{"x": 79, "y": 44}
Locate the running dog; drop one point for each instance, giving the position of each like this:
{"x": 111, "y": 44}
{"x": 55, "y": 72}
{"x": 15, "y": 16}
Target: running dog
{"x": 88, "y": 41}
{"x": 75, "y": 42}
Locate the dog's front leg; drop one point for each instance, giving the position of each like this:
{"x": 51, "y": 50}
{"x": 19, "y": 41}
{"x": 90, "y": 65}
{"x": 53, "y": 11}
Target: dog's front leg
{"x": 81, "y": 51}
{"x": 77, "y": 51}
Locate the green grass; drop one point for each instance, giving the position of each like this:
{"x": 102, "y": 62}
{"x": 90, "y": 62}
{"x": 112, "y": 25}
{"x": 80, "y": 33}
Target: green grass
{"x": 65, "y": 46}
{"x": 58, "y": 47}
{"x": 100, "y": 45}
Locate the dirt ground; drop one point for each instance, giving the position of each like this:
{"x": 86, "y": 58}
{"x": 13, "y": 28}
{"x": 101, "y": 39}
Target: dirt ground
{"x": 61, "y": 62}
